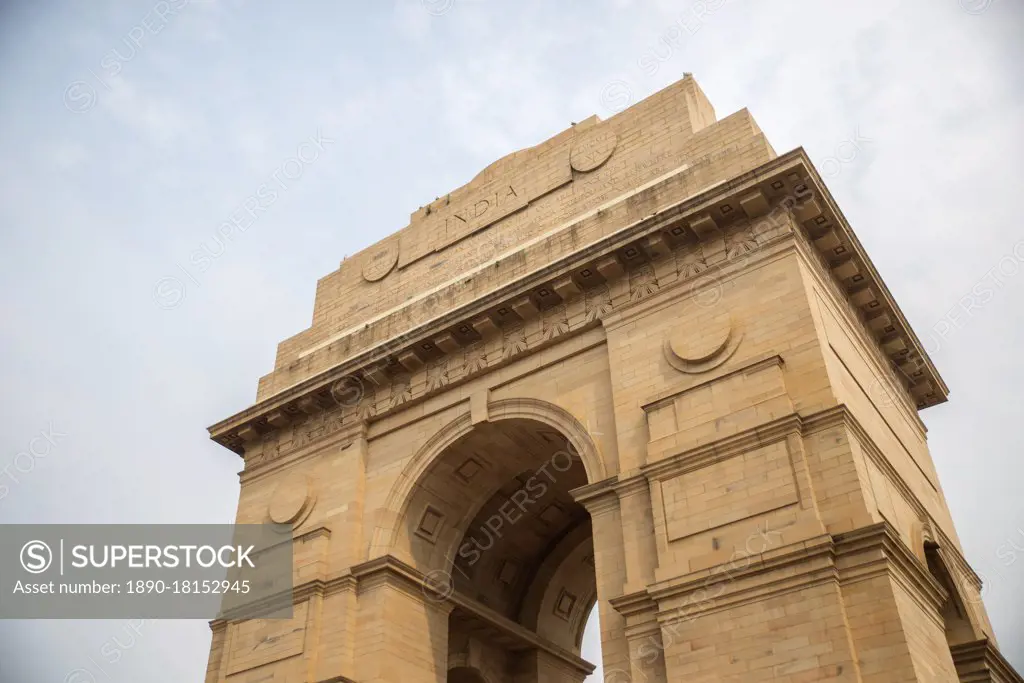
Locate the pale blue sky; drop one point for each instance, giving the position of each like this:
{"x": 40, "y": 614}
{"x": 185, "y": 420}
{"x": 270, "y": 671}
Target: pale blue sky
{"x": 109, "y": 182}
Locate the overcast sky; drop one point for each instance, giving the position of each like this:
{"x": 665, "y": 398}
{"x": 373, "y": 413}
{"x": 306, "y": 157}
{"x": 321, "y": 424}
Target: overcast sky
{"x": 117, "y": 161}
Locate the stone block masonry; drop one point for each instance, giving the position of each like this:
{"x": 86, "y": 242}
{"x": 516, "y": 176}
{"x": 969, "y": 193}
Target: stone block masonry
{"x": 644, "y": 366}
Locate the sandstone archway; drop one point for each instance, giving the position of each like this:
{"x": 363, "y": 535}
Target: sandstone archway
{"x": 491, "y": 523}
{"x": 762, "y": 470}
{"x": 549, "y": 418}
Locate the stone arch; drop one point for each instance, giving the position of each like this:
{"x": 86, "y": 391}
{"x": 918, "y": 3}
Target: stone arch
{"x": 399, "y": 497}
{"x": 484, "y": 516}
{"x": 956, "y": 611}
{"x": 571, "y": 563}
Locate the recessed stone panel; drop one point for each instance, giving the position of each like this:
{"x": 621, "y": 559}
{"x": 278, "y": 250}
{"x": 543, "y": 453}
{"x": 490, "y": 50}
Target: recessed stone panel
{"x": 727, "y": 404}
{"x": 564, "y": 604}
{"x": 468, "y": 469}
{"x": 258, "y": 642}
{"x": 729, "y": 490}
{"x": 430, "y": 524}
{"x": 552, "y": 515}
{"x": 508, "y": 572}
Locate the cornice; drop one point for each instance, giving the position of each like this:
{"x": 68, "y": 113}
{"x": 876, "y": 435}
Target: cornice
{"x": 878, "y": 458}
{"x": 790, "y": 178}
{"x": 332, "y": 443}
{"x": 775, "y": 572}
{"x": 879, "y": 550}
{"x": 267, "y": 604}
{"x": 902, "y": 328}
{"x": 859, "y": 327}
{"x": 301, "y": 592}
{"x": 598, "y": 497}
{"x": 981, "y": 662}
{"x": 858, "y": 555}
{"x": 392, "y": 571}
{"x": 633, "y": 604}
{"x": 629, "y": 485}
{"x": 675, "y": 463}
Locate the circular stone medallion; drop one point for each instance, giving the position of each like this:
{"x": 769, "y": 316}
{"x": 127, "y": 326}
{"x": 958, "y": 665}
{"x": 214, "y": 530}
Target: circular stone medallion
{"x": 703, "y": 344}
{"x": 592, "y": 148}
{"x": 378, "y": 263}
{"x": 292, "y": 500}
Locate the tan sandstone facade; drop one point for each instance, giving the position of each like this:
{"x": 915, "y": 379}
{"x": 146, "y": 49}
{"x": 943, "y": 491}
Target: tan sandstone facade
{"x": 645, "y": 365}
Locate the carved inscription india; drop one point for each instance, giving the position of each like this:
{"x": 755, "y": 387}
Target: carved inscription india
{"x": 467, "y": 219}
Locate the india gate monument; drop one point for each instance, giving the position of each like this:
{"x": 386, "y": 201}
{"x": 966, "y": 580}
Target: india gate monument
{"x": 644, "y": 365}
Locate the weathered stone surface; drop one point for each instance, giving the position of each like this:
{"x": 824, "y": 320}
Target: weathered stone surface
{"x": 696, "y": 408}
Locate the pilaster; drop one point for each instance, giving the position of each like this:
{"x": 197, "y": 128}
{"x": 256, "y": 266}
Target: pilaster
{"x": 605, "y": 511}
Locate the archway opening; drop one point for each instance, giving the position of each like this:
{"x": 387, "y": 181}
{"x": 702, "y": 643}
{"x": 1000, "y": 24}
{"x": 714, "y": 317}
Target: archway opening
{"x": 493, "y": 525}
{"x": 955, "y": 618}
{"x": 590, "y": 649}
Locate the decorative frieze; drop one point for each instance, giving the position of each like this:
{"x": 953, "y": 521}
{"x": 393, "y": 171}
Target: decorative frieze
{"x": 598, "y": 303}
{"x": 382, "y": 391}
{"x": 401, "y": 390}
{"x": 513, "y": 341}
{"x": 741, "y": 242}
{"x": 555, "y": 322}
{"x": 630, "y": 266}
{"x": 437, "y": 374}
{"x": 881, "y": 325}
{"x": 642, "y": 282}
{"x": 690, "y": 262}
